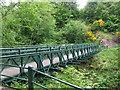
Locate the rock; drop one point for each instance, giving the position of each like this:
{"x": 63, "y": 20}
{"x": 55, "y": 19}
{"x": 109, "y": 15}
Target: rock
{"x": 104, "y": 42}
{"x": 107, "y": 42}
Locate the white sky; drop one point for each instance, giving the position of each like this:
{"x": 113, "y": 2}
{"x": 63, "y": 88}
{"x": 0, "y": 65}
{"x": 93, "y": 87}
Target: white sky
{"x": 8, "y": 1}
{"x": 81, "y": 3}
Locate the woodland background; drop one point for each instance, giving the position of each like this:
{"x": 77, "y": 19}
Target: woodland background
{"x": 34, "y": 23}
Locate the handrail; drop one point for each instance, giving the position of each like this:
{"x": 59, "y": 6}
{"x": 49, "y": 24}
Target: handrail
{"x": 14, "y": 77}
{"x": 44, "y": 46}
{"x": 31, "y": 82}
{"x": 15, "y": 51}
{"x": 22, "y": 55}
{"x": 24, "y": 80}
{"x": 30, "y": 73}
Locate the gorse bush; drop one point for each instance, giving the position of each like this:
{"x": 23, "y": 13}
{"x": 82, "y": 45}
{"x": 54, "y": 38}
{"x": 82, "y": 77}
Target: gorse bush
{"x": 118, "y": 34}
{"x": 110, "y": 25}
{"x": 74, "y": 31}
{"x": 91, "y": 36}
{"x": 97, "y": 25}
{"x": 100, "y": 22}
{"x": 108, "y": 12}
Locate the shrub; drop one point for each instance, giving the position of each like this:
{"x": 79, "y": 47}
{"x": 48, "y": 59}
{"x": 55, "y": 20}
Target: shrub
{"x": 91, "y": 36}
{"x": 112, "y": 23}
{"x": 74, "y": 31}
{"x": 34, "y": 27}
{"x": 118, "y": 34}
{"x": 97, "y": 25}
{"x": 100, "y": 22}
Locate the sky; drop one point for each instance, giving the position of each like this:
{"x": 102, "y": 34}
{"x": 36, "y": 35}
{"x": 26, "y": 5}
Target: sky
{"x": 81, "y": 3}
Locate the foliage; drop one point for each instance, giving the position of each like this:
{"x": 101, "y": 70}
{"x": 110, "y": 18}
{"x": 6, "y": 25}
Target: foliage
{"x": 102, "y": 35}
{"x": 56, "y": 23}
{"x": 118, "y": 34}
{"x": 74, "y": 31}
{"x": 33, "y": 31}
{"x": 108, "y": 12}
{"x": 100, "y": 22}
{"x": 91, "y": 36}
{"x": 36, "y": 23}
{"x": 97, "y": 25}
{"x": 19, "y": 84}
{"x": 8, "y": 37}
{"x": 64, "y": 12}
{"x": 112, "y": 23}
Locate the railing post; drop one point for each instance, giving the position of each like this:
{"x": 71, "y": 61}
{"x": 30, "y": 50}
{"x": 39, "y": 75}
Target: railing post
{"x": 21, "y": 69}
{"x": 36, "y": 49}
{"x": 21, "y": 62}
{"x": 51, "y": 56}
{"x": 30, "y": 78}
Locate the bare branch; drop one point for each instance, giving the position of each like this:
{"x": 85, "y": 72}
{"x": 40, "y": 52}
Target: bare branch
{"x": 6, "y": 13}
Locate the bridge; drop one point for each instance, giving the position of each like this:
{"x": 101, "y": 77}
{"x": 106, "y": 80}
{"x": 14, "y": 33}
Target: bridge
{"x": 30, "y": 61}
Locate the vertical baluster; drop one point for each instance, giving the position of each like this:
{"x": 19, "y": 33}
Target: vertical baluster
{"x": 51, "y": 56}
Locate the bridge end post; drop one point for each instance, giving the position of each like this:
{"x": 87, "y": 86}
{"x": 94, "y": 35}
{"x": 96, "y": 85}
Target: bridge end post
{"x": 30, "y": 78}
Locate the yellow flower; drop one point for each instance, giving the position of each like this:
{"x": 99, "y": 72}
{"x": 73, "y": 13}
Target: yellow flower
{"x": 89, "y": 33}
{"x": 101, "y": 22}
{"x": 94, "y": 38}
{"x": 91, "y": 36}
{"x": 118, "y": 34}
{"x": 95, "y": 22}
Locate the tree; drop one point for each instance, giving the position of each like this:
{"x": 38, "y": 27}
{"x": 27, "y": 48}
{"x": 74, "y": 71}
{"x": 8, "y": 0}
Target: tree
{"x": 109, "y": 12}
{"x": 74, "y": 31}
{"x": 32, "y": 22}
{"x": 64, "y": 12}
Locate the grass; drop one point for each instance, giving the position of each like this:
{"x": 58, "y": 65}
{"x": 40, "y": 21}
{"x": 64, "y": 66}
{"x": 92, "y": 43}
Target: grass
{"x": 102, "y": 71}
{"x": 104, "y": 35}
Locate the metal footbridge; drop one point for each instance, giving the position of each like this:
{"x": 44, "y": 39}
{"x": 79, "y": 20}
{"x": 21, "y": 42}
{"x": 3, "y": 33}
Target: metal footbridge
{"x": 30, "y": 61}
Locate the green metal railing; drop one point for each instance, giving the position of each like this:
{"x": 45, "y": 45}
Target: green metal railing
{"x": 21, "y": 58}
{"x": 31, "y": 82}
